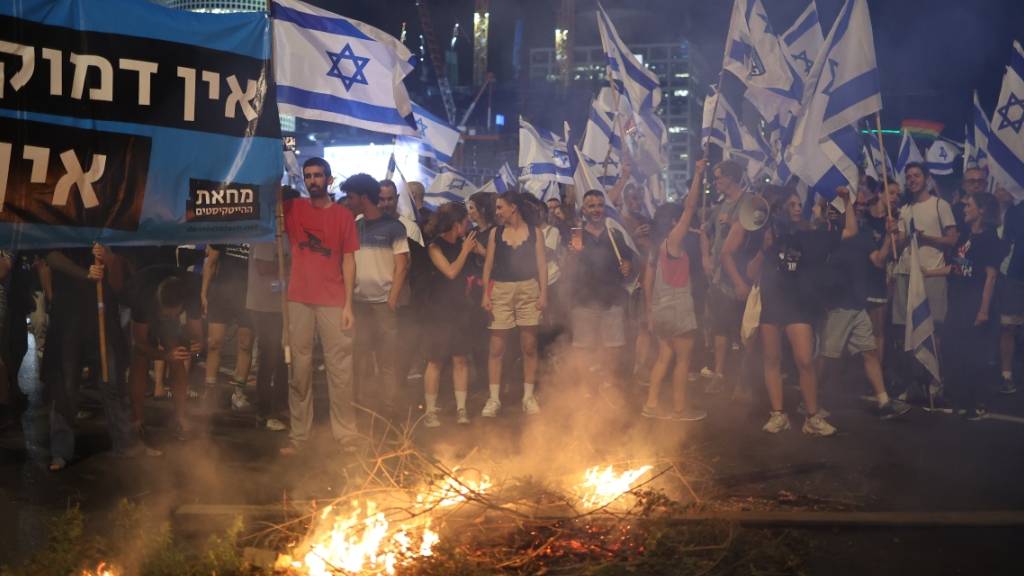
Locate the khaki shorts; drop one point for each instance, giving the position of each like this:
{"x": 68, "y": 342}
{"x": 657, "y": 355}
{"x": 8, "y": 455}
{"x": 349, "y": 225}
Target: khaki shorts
{"x": 935, "y": 289}
{"x": 514, "y": 304}
{"x": 848, "y": 330}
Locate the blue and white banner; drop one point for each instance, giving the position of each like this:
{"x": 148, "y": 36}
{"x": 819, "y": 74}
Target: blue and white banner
{"x": 335, "y": 69}
{"x": 502, "y": 182}
{"x": 123, "y": 122}
{"x": 1006, "y": 141}
{"x": 543, "y": 155}
{"x": 448, "y": 186}
{"x": 941, "y": 157}
{"x": 803, "y": 40}
{"x": 876, "y": 163}
{"x": 600, "y": 141}
{"x": 436, "y": 139}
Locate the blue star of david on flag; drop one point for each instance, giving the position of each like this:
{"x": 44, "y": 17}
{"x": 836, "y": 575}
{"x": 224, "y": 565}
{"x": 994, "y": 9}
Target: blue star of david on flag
{"x": 422, "y": 128}
{"x": 804, "y": 59}
{"x": 1005, "y": 113}
{"x": 458, "y": 184}
{"x": 358, "y": 62}
{"x": 832, "y": 65}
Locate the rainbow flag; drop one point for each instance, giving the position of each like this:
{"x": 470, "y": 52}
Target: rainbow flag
{"x": 922, "y": 130}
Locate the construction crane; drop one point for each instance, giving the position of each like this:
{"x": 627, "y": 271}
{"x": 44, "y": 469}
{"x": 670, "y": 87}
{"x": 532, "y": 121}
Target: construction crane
{"x": 437, "y": 60}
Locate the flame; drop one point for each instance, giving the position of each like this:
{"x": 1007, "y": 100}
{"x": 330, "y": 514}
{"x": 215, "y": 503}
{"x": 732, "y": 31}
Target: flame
{"x": 102, "y": 569}
{"x": 360, "y": 537}
{"x": 602, "y": 485}
{"x": 455, "y": 489}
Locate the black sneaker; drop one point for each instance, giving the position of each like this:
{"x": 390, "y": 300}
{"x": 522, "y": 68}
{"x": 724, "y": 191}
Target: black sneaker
{"x": 893, "y": 409}
{"x": 1008, "y": 387}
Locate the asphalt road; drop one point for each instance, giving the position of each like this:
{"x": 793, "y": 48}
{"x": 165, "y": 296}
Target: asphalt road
{"x": 921, "y": 462}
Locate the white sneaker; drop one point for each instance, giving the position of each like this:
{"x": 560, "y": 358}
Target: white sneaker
{"x": 430, "y": 419}
{"x": 777, "y": 422}
{"x": 706, "y": 372}
{"x": 275, "y": 425}
{"x": 491, "y": 408}
{"x": 239, "y": 401}
{"x": 530, "y": 406}
{"x": 462, "y": 417}
{"x": 817, "y": 426}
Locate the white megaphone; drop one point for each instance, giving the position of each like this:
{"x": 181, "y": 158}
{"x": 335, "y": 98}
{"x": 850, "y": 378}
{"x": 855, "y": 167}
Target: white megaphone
{"x": 753, "y": 213}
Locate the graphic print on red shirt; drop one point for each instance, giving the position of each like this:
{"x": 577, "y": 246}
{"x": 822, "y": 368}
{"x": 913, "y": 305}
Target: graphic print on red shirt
{"x": 318, "y": 237}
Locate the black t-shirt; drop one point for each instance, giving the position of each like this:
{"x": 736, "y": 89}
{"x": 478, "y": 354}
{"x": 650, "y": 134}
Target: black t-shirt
{"x": 795, "y": 267}
{"x": 1013, "y": 235}
{"x": 448, "y": 296}
{"x": 598, "y": 280}
{"x": 849, "y": 271}
{"x": 877, "y": 289}
{"x": 141, "y": 293}
{"x": 973, "y": 254}
{"x": 233, "y": 264}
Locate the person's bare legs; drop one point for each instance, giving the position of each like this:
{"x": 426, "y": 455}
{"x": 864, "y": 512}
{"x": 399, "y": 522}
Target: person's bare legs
{"x": 873, "y": 369}
{"x": 771, "y": 345}
{"x": 214, "y": 343}
{"x": 495, "y": 356}
{"x": 431, "y": 384}
{"x": 801, "y": 340}
{"x": 243, "y": 355}
{"x": 658, "y": 372}
{"x": 683, "y": 346}
{"x": 528, "y": 344}
{"x": 721, "y": 351}
{"x": 179, "y": 391}
{"x": 1006, "y": 342}
{"x": 159, "y": 371}
{"x": 460, "y": 381}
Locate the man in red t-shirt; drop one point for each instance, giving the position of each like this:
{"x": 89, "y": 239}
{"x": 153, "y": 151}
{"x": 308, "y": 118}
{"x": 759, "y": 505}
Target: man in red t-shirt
{"x": 323, "y": 241}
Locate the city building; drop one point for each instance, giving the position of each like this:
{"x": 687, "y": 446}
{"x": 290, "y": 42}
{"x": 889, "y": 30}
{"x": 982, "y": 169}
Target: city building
{"x": 670, "y": 61}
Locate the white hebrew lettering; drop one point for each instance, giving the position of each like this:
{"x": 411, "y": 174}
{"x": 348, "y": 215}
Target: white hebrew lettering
{"x": 145, "y": 70}
{"x": 76, "y": 177}
{"x": 212, "y": 79}
{"x": 56, "y": 71}
{"x": 82, "y": 62}
{"x": 189, "y": 76}
{"x": 28, "y": 64}
{"x": 239, "y": 98}
{"x": 40, "y": 158}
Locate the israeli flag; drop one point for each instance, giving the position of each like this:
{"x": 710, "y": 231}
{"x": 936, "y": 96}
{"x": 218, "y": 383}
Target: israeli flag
{"x": 601, "y": 143}
{"x": 542, "y": 189}
{"x": 334, "y": 69}
{"x": 448, "y": 186}
{"x": 738, "y": 141}
{"x": 803, "y": 40}
{"x": 641, "y": 96}
{"x": 941, "y": 157}
{"x": 1006, "y": 141}
{"x": 633, "y": 80}
{"x": 978, "y": 134}
{"x": 876, "y": 163}
{"x": 542, "y": 154}
{"x": 502, "y": 182}
{"x": 584, "y": 178}
{"x": 755, "y": 58}
{"x": 436, "y": 139}
{"x": 909, "y": 152}
{"x": 843, "y": 88}
{"x": 919, "y": 335}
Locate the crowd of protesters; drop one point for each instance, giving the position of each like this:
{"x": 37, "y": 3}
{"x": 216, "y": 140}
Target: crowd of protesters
{"x": 588, "y": 281}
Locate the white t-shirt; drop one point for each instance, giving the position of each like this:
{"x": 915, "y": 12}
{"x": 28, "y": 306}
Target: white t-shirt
{"x": 930, "y": 217}
{"x": 553, "y": 244}
{"x": 380, "y": 241}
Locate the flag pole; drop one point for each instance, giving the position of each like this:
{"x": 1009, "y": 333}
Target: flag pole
{"x": 279, "y": 235}
{"x": 101, "y": 314}
{"x": 885, "y": 176}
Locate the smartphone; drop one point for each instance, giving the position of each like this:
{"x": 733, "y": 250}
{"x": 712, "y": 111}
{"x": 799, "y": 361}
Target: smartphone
{"x": 577, "y": 239}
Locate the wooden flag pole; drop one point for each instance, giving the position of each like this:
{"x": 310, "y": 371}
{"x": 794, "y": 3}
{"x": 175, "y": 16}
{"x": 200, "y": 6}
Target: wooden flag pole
{"x": 101, "y": 313}
{"x": 885, "y": 177}
{"x": 281, "y": 281}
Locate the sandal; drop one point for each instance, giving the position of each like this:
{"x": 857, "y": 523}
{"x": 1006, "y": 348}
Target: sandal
{"x": 57, "y": 464}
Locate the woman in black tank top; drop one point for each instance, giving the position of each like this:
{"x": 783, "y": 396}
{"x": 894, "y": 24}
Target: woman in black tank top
{"x": 515, "y": 293}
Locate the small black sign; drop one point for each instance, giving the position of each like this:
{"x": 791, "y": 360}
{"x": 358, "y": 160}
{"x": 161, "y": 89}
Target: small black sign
{"x": 210, "y": 201}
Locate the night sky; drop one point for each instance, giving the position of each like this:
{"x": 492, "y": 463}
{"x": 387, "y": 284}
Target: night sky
{"x": 932, "y": 53}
